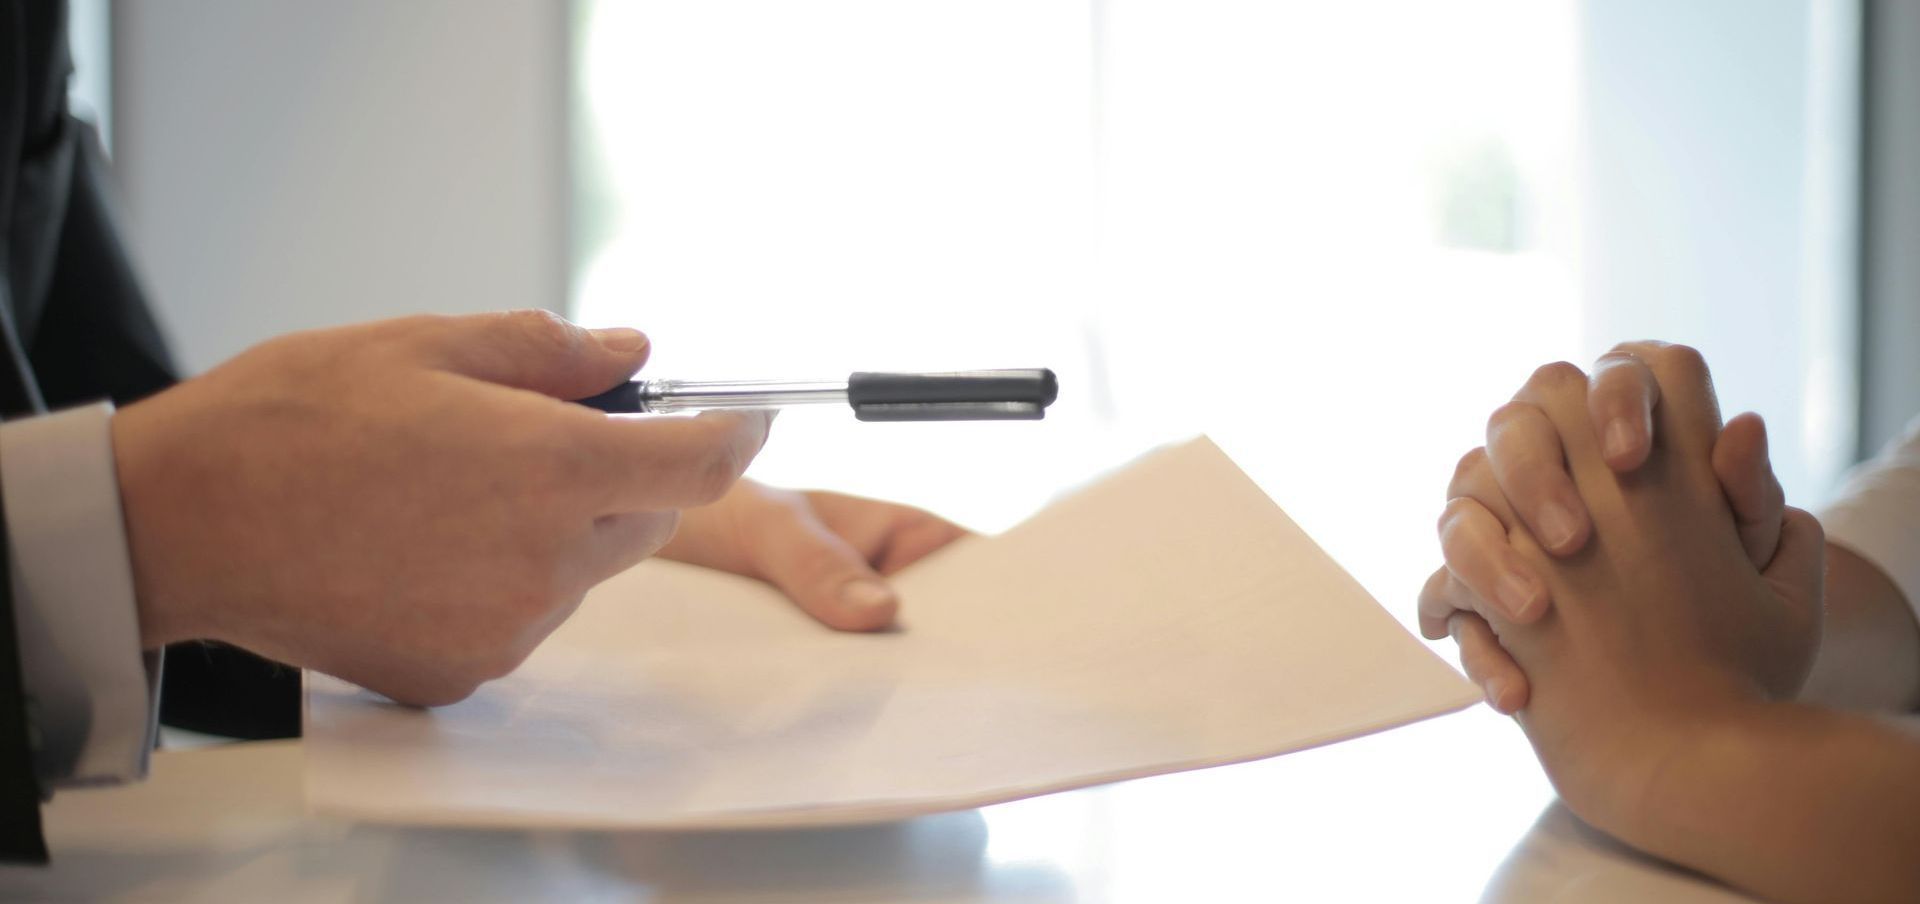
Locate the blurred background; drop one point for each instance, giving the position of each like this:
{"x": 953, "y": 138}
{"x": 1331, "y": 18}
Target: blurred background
{"x": 1334, "y": 236}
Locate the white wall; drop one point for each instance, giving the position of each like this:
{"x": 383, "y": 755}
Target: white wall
{"x": 1719, "y": 159}
{"x": 288, "y": 164}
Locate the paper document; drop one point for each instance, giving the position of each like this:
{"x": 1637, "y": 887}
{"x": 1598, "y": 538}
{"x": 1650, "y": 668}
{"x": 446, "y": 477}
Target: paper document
{"x": 1169, "y": 617}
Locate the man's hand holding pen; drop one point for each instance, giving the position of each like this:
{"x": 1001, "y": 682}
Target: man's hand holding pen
{"x": 411, "y": 506}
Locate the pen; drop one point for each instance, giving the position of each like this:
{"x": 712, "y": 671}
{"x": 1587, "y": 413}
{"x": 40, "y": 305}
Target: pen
{"x": 973, "y": 395}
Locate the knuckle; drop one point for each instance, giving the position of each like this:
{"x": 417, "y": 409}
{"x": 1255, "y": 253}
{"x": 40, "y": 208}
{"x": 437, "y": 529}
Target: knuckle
{"x": 1471, "y": 473}
{"x": 443, "y": 693}
{"x": 526, "y": 597}
{"x": 1435, "y": 585}
{"x": 1472, "y": 550}
{"x": 1468, "y": 469}
{"x": 501, "y": 659}
{"x": 784, "y": 508}
{"x": 422, "y": 323}
{"x": 456, "y": 694}
{"x": 1453, "y": 526}
{"x": 1816, "y": 532}
{"x": 1612, "y": 361}
{"x": 544, "y": 329}
{"x": 305, "y": 357}
{"x": 398, "y": 331}
{"x": 1684, "y": 360}
{"x": 1456, "y": 507}
{"x": 665, "y": 526}
{"x": 717, "y": 473}
{"x": 500, "y": 663}
{"x": 1618, "y": 371}
{"x": 1557, "y": 375}
{"x": 1524, "y": 454}
{"x": 1680, "y": 353}
{"x": 653, "y": 531}
{"x": 1635, "y": 348}
{"x": 1437, "y": 599}
{"x": 1510, "y": 414}
{"x": 921, "y": 530}
{"x": 524, "y": 606}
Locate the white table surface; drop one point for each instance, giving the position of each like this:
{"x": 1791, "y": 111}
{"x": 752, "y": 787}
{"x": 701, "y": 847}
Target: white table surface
{"x": 1445, "y": 810}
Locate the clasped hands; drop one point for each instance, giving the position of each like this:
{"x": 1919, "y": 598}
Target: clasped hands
{"x": 1622, "y": 572}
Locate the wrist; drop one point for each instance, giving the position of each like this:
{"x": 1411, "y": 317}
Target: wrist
{"x": 1611, "y": 754}
{"x": 1661, "y": 785}
{"x": 165, "y": 617}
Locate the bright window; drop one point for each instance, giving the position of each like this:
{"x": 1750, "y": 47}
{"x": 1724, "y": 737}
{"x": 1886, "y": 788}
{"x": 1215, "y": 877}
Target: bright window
{"x": 1333, "y": 235}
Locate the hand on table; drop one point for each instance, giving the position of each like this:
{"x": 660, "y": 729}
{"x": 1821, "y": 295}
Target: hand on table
{"x": 405, "y": 504}
{"x": 1655, "y": 644}
{"x": 1524, "y": 468}
{"x": 827, "y": 552}
{"x": 1661, "y": 625}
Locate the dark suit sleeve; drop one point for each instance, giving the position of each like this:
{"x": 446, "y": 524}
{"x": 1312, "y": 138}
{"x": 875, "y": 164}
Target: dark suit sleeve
{"x": 20, "y": 838}
{"x": 97, "y": 336}
{"x": 20, "y": 834}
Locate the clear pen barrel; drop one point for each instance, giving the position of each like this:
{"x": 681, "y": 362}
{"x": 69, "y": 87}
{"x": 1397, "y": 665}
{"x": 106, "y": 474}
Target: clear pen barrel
{"x": 665, "y": 396}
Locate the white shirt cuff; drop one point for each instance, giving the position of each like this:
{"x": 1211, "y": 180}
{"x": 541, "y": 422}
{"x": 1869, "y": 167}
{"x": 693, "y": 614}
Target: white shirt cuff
{"x": 1878, "y": 514}
{"x": 92, "y": 696}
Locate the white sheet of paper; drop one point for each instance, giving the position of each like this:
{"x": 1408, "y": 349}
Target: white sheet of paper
{"x": 1169, "y": 617}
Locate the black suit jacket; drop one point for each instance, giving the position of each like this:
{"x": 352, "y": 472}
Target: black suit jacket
{"x": 75, "y": 328}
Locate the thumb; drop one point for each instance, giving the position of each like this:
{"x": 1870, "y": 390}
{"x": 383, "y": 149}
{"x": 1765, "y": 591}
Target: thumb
{"x": 536, "y": 350}
{"x": 1797, "y": 576}
{"x": 821, "y": 574}
{"x": 1799, "y": 567}
{"x": 1745, "y": 471}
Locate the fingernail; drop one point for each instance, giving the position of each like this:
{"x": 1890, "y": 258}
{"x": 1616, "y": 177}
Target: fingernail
{"x": 867, "y": 595}
{"x": 1620, "y": 439}
{"x": 1516, "y": 595}
{"x": 1557, "y": 526}
{"x": 621, "y": 339}
{"x": 1492, "y": 690}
